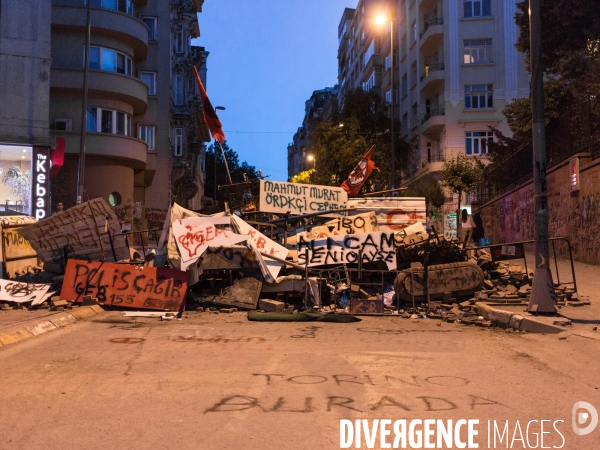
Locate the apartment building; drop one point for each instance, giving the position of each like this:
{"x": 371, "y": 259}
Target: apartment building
{"x": 456, "y": 69}
{"x": 144, "y": 132}
{"x": 321, "y": 102}
{"x": 24, "y": 106}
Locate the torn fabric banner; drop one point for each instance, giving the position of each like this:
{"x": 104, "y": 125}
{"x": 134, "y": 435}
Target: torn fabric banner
{"x": 360, "y": 174}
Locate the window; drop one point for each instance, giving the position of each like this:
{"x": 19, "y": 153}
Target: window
{"x": 369, "y": 84}
{"x": 125, "y": 6}
{"x": 478, "y": 51}
{"x": 370, "y": 52}
{"x": 92, "y": 119}
{"x": 109, "y": 60}
{"x": 479, "y": 96}
{"x": 477, "y": 8}
{"x": 179, "y": 41}
{"x": 386, "y": 62}
{"x": 146, "y": 133}
{"x": 476, "y": 142}
{"x": 178, "y": 87}
{"x": 388, "y": 96}
{"x": 151, "y": 24}
{"x": 150, "y": 79}
{"x": 178, "y": 141}
{"x": 108, "y": 121}
{"x": 415, "y": 33}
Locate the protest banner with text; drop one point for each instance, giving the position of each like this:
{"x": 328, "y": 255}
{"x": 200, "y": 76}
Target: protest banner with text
{"x": 349, "y": 249}
{"x": 298, "y": 199}
{"x": 125, "y": 285}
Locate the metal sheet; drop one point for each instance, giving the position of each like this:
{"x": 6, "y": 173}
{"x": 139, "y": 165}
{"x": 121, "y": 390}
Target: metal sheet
{"x": 461, "y": 279}
{"x": 75, "y": 231}
{"x": 125, "y": 285}
{"x": 243, "y": 294}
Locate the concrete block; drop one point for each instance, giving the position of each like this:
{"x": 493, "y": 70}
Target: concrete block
{"x": 271, "y": 306}
{"x": 41, "y": 327}
{"x": 531, "y": 325}
{"x": 228, "y": 310}
{"x": 97, "y": 308}
{"x": 515, "y": 322}
{"x": 61, "y": 320}
{"x": 59, "y": 303}
{"x": 12, "y": 337}
{"x": 82, "y": 313}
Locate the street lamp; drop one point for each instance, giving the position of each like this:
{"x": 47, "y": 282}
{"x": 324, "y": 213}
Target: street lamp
{"x": 380, "y": 20}
{"x": 312, "y": 158}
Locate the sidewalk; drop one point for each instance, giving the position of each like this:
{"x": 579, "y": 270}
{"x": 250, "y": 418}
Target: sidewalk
{"x": 16, "y": 325}
{"x": 583, "y": 318}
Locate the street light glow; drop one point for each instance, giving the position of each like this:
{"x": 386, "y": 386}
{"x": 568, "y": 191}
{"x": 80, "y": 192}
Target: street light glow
{"x": 310, "y": 157}
{"x": 381, "y": 19}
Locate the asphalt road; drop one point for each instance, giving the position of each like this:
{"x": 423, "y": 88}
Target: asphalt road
{"x": 218, "y": 382}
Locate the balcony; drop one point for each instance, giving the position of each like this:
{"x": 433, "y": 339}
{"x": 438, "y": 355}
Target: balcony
{"x": 71, "y": 16}
{"x": 432, "y": 78}
{"x": 132, "y": 151}
{"x": 374, "y": 61}
{"x": 432, "y": 35}
{"x": 433, "y": 122}
{"x": 101, "y": 84}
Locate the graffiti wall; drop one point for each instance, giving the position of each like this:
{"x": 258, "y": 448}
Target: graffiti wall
{"x": 572, "y": 214}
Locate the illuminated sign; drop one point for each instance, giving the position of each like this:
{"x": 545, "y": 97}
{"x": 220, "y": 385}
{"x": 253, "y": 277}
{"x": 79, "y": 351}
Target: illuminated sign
{"x": 574, "y": 173}
{"x": 41, "y": 182}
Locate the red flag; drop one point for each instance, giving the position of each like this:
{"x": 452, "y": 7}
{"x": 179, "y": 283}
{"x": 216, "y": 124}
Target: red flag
{"x": 210, "y": 116}
{"x": 359, "y": 175}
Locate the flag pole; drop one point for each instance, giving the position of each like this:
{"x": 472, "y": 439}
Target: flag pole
{"x": 225, "y": 160}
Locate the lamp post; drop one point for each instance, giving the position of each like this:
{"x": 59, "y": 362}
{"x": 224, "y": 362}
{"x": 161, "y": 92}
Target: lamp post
{"x": 381, "y": 19}
{"x": 220, "y": 108}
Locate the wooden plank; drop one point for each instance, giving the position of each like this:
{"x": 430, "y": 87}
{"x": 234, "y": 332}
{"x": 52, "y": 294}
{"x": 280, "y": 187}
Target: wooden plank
{"x": 125, "y": 285}
{"x": 76, "y": 230}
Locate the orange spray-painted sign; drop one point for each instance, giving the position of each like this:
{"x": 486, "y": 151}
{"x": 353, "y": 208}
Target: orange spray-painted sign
{"x": 125, "y": 285}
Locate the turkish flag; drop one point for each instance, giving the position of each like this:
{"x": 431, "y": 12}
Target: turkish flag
{"x": 210, "y": 116}
{"x": 360, "y": 174}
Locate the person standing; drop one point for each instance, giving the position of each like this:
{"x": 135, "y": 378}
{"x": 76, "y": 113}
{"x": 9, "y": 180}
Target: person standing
{"x": 466, "y": 224}
{"x": 59, "y": 208}
{"x": 429, "y": 222}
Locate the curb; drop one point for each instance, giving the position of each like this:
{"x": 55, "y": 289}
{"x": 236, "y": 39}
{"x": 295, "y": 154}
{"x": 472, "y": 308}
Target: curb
{"x": 508, "y": 319}
{"x": 59, "y": 320}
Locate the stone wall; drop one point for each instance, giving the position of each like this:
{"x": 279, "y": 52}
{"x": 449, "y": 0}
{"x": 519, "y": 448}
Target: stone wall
{"x": 574, "y": 215}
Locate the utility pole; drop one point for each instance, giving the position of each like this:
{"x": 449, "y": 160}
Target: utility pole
{"x": 82, "y": 142}
{"x": 543, "y": 296}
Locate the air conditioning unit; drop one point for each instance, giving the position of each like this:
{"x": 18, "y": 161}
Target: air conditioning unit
{"x": 63, "y": 124}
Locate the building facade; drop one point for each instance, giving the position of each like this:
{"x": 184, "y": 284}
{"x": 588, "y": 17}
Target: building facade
{"x": 144, "y": 142}
{"x": 321, "y": 102}
{"x": 456, "y": 69}
{"x": 24, "y": 105}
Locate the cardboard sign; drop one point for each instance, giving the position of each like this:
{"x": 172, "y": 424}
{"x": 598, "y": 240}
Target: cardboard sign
{"x": 194, "y": 235}
{"x": 298, "y": 199}
{"x": 13, "y": 291}
{"x": 370, "y": 247}
{"x": 125, "y": 285}
{"x": 79, "y": 232}
{"x": 393, "y": 213}
{"x": 262, "y": 244}
{"x": 505, "y": 252}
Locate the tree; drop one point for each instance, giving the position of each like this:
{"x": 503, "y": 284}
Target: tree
{"x": 461, "y": 174}
{"x": 432, "y": 191}
{"x": 236, "y": 169}
{"x": 340, "y": 142}
{"x": 303, "y": 177}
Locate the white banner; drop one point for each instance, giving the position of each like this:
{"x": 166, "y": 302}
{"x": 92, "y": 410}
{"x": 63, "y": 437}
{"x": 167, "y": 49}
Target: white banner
{"x": 370, "y": 247}
{"x": 195, "y": 234}
{"x": 393, "y": 213}
{"x": 13, "y": 291}
{"x": 262, "y": 244}
{"x": 298, "y": 199}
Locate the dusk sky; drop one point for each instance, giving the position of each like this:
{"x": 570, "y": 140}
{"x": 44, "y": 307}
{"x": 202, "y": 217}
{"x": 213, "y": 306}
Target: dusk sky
{"x": 266, "y": 58}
